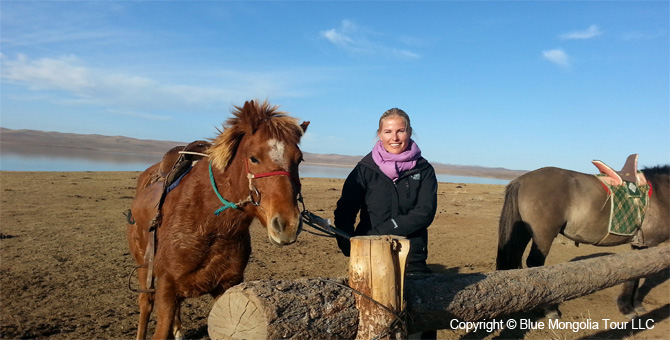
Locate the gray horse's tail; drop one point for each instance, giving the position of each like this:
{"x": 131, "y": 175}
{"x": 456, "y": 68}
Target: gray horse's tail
{"x": 513, "y": 236}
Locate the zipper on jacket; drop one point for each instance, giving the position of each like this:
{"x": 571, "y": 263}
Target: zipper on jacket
{"x": 407, "y": 188}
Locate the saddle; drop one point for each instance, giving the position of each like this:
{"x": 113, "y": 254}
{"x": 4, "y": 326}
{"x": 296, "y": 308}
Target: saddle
{"x": 177, "y": 161}
{"x": 628, "y": 194}
{"x": 175, "y": 164}
{"x": 180, "y": 159}
{"x": 628, "y": 173}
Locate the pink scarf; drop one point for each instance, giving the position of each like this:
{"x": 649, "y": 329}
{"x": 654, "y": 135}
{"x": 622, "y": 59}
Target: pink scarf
{"x": 393, "y": 165}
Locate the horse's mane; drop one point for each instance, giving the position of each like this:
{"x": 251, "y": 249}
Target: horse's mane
{"x": 657, "y": 170}
{"x": 254, "y": 117}
{"x": 659, "y": 178}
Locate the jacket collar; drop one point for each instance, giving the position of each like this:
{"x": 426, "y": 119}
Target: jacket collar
{"x": 368, "y": 162}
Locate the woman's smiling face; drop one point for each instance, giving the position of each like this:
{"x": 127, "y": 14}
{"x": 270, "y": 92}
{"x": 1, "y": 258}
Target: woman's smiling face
{"x": 394, "y": 135}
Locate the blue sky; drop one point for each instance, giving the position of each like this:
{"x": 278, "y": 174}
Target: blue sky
{"x": 519, "y": 85}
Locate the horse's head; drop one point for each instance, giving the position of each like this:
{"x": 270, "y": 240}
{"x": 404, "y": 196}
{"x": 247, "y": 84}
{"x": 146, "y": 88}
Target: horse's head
{"x": 260, "y": 144}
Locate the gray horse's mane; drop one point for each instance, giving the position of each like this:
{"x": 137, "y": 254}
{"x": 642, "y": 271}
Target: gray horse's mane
{"x": 657, "y": 170}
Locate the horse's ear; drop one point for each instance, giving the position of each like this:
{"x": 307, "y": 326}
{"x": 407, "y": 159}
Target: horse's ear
{"x": 304, "y": 126}
{"x": 251, "y": 115}
{"x": 225, "y": 146}
{"x": 248, "y": 105}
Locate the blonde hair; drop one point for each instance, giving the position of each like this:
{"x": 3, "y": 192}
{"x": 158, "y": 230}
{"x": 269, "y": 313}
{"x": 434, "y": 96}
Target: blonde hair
{"x": 395, "y": 112}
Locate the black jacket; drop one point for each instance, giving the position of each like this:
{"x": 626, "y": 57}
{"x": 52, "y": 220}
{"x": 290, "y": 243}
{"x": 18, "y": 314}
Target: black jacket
{"x": 404, "y": 208}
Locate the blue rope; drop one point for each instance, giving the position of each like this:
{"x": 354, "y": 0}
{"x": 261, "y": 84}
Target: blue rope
{"x": 226, "y": 204}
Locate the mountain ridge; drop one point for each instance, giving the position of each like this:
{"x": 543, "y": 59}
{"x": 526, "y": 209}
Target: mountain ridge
{"x": 11, "y": 138}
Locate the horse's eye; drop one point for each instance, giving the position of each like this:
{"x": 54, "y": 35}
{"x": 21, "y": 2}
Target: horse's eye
{"x": 254, "y": 160}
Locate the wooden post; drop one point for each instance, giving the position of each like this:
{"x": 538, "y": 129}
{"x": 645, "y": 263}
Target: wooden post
{"x": 377, "y": 269}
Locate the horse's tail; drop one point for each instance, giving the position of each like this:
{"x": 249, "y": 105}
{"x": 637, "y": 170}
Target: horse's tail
{"x": 512, "y": 233}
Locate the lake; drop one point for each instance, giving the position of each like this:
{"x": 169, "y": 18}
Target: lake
{"x": 62, "y": 159}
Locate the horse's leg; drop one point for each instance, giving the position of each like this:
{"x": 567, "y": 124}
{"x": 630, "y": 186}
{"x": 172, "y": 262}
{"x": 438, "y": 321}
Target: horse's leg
{"x": 626, "y": 300}
{"x": 637, "y": 298}
{"x": 146, "y": 302}
{"x": 536, "y": 258}
{"x": 637, "y": 301}
{"x": 166, "y": 307}
{"x": 176, "y": 325}
{"x": 629, "y": 301}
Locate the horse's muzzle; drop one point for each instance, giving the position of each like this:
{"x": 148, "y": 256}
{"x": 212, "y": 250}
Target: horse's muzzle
{"x": 284, "y": 233}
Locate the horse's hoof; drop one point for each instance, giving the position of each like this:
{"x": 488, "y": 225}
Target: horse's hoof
{"x": 556, "y": 315}
{"x": 626, "y": 309}
{"x": 552, "y": 313}
{"x": 640, "y": 310}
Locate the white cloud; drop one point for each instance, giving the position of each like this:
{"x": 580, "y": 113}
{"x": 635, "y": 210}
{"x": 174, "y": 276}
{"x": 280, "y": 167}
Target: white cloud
{"x": 337, "y": 38}
{"x": 61, "y": 74}
{"x": 591, "y": 32}
{"x": 406, "y": 54}
{"x": 358, "y": 40}
{"x": 348, "y": 37}
{"x": 131, "y": 93}
{"x": 557, "y": 56}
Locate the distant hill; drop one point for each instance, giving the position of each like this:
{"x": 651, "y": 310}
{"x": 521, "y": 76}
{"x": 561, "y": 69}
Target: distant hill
{"x": 15, "y": 139}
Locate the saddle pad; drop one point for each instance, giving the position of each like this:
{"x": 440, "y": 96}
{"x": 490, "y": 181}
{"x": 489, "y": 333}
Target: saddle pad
{"x": 628, "y": 205}
{"x": 174, "y": 184}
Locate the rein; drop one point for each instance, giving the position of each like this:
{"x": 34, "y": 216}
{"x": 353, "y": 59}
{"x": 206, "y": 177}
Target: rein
{"x": 322, "y": 224}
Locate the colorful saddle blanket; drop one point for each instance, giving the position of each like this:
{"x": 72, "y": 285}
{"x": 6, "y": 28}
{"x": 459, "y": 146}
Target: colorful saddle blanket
{"x": 628, "y": 193}
{"x": 628, "y": 205}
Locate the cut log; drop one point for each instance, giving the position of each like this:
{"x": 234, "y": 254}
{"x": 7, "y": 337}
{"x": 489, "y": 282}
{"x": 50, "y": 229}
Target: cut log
{"x": 318, "y": 308}
{"x": 322, "y": 309}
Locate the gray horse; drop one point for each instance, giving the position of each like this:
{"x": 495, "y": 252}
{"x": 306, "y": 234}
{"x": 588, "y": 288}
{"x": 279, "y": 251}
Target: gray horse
{"x": 545, "y": 202}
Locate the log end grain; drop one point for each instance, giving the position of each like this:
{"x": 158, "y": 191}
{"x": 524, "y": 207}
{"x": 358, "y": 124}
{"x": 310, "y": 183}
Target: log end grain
{"x": 235, "y": 315}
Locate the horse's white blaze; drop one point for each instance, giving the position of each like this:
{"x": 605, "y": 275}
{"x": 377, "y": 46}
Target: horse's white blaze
{"x": 277, "y": 153}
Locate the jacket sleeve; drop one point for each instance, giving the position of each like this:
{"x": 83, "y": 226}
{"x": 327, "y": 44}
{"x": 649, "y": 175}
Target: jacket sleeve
{"x": 348, "y": 206}
{"x": 423, "y": 213}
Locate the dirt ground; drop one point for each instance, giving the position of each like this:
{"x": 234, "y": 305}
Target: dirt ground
{"x": 64, "y": 262}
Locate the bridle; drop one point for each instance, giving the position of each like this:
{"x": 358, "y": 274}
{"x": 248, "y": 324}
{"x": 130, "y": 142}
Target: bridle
{"x": 254, "y": 195}
{"x": 252, "y": 189}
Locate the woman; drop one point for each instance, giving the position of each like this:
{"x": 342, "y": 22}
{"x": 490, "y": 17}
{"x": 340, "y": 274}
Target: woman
{"x": 394, "y": 189}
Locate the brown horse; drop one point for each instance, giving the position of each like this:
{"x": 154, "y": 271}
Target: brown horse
{"x": 202, "y": 243}
{"x": 543, "y": 203}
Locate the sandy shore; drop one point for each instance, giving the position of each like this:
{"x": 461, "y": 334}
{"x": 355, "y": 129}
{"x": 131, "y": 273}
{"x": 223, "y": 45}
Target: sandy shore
{"x": 64, "y": 261}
